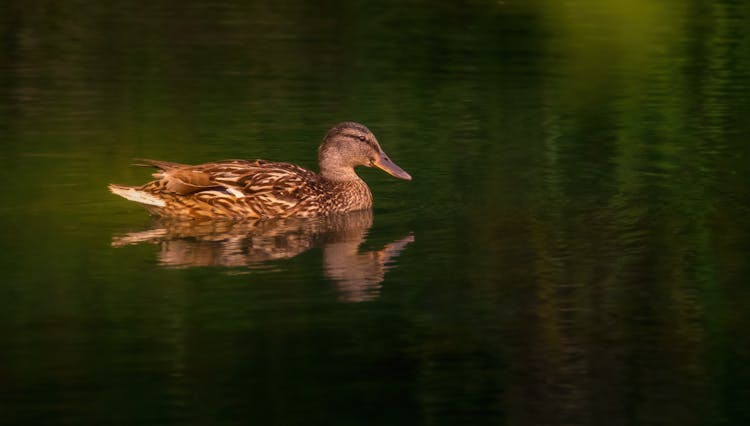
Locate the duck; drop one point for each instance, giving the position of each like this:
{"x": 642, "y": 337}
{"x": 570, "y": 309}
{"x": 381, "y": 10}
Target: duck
{"x": 261, "y": 189}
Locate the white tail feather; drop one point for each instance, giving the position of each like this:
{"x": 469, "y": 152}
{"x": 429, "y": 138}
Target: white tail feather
{"x": 136, "y": 195}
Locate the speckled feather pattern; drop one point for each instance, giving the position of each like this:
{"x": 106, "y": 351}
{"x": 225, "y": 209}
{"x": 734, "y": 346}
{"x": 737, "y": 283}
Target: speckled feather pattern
{"x": 266, "y": 189}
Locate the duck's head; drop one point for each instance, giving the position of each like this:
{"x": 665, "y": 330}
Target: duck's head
{"x": 348, "y": 145}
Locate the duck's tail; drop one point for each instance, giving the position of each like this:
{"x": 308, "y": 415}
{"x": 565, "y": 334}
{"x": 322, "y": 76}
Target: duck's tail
{"x": 137, "y": 195}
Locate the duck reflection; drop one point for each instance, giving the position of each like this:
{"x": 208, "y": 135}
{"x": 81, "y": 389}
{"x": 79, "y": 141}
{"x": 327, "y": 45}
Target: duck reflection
{"x": 254, "y": 243}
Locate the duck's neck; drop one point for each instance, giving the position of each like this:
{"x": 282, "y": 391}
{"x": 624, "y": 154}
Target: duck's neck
{"x": 336, "y": 173}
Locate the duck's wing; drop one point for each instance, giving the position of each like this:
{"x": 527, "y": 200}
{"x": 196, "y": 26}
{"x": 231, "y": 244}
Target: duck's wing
{"x": 179, "y": 179}
{"x": 236, "y": 187}
{"x": 270, "y": 188}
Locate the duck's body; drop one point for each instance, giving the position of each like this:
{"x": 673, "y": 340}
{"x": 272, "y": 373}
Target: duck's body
{"x": 244, "y": 189}
{"x": 265, "y": 189}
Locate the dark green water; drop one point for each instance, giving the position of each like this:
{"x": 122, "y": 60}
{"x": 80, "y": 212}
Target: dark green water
{"x": 574, "y": 248}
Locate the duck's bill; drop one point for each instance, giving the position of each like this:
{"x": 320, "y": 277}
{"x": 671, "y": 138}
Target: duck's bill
{"x": 385, "y": 164}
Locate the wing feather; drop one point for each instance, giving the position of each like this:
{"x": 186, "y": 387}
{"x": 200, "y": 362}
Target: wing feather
{"x": 237, "y": 187}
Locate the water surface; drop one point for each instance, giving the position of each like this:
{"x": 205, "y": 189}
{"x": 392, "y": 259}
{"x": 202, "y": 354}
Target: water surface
{"x": 574, "y": 247}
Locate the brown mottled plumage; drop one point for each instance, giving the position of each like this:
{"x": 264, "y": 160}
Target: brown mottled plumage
{"x": 265, "y": 189}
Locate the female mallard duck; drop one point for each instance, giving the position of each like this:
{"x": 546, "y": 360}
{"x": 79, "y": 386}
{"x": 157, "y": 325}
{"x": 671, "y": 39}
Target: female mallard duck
{"x": 265, "y": 189}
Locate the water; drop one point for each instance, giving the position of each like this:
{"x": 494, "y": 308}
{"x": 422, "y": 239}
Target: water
{"x": 573, "y": 248}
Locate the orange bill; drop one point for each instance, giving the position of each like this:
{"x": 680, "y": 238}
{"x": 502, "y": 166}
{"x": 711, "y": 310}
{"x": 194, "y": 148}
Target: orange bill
{"x": 385, "y": 164}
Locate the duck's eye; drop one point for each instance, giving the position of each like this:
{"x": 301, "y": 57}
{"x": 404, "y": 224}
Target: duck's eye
{"x": 361, "y": 138}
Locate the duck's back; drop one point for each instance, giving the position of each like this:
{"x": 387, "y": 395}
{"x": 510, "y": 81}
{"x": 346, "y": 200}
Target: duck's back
{"x": 243, "y": 189}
